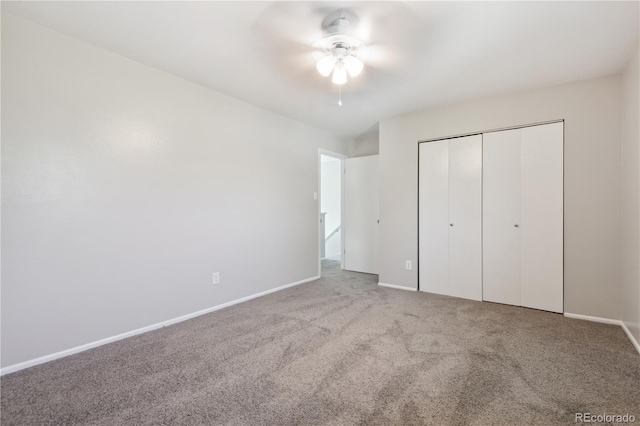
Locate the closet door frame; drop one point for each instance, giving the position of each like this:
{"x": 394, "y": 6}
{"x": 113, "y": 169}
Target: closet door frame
{"x": 481, "y": 133}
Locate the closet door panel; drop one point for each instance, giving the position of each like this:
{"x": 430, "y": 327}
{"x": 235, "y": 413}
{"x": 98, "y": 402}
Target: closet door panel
{"x": 433, "y": 220}
{"x": 501, "y": 217}
{"x": 465, "y": 217}
{"x": 541, "y": 228}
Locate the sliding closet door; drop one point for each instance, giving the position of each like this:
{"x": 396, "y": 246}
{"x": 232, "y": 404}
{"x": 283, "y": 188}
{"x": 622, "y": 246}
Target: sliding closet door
{"x": 541, "y": 229}
{"x": 465, "y": 217}
{"x": 501, "y": 217}
{"x": 434, "y": 216}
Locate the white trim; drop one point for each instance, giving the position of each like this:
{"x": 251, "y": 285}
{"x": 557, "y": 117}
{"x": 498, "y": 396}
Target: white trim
{"x": 397, "y": 287}
{"x": 593, "y": 319}
{"x": 607, "y": 321}
{"x": 82, "y": 348}
{"x": 332, "y": 154}
{"x": 343, "y": 165}
{"x": 630, "y": 336}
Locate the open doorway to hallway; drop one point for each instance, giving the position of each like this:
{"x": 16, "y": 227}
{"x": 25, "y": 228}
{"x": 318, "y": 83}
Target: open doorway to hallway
{"x": 331, "y": 202}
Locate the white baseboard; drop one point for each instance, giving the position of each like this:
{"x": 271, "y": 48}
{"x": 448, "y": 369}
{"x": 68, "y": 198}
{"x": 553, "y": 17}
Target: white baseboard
{"x": 397, "y": 287}
{"x": 630, "y": 336}
{"x": 82, "y": 348}
{"x": 607, "y": 321}
{"x": 593, "y": 319}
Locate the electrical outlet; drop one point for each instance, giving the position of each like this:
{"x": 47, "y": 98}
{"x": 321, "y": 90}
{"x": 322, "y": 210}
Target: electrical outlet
{"x": 216, "y": 277}
{"x": 315, "y": 195}
{"x": 407, "y": 265}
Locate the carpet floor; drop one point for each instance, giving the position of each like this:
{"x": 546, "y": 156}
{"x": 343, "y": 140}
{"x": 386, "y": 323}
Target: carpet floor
{"x": 340, "y": 351}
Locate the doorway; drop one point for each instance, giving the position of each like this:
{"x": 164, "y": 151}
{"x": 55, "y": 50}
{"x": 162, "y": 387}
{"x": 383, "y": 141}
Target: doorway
{"x": 330, "y": 204}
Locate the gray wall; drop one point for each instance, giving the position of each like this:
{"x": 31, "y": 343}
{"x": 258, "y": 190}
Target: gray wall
{"x": 592, "y": 113}
{"x": 364, "y": 146}
{"x": 631, "y": 197}
{"x": 124, "y": 188}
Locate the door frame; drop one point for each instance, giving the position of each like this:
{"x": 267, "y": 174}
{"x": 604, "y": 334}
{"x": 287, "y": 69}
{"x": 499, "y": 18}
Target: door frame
{"x": 340, "y": 157}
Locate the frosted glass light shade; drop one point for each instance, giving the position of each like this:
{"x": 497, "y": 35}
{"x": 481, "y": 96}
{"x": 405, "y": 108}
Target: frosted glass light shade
{"x": 339, "y": 73}
{"x": 326, "y": 64}
{"x": 354, "y": 65}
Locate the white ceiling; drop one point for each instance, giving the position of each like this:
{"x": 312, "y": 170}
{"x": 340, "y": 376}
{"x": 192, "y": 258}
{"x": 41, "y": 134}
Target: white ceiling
{"x": 423, "y": 54}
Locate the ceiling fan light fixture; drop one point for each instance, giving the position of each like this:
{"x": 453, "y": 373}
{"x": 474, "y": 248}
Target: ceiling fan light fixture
{"x": 354, "y": 65}
{"x": 326, "y": 65}
{"x": 339, "y": 73}
{"x": 341, "y": 45}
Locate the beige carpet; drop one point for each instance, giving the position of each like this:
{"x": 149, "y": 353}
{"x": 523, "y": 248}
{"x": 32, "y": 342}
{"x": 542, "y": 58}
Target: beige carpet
{"x": 340, "y": 351}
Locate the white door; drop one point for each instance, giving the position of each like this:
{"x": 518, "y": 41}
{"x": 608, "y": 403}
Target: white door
{"x": 361, "y": 214}
{"x": 523, "y": 217}
{"x": 434, "y": 217}
{"x": 541, "y": 223}
{"x": 465, "y": 217}
{"x": 450, "y": 199}
{"x": 501, "y": 217}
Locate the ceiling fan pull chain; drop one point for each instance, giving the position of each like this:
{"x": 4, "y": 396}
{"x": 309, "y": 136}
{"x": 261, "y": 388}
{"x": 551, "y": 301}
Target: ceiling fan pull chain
{"x": 340, "y": 95}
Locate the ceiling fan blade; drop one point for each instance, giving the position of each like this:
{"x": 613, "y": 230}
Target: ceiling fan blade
{"x": 381, "y": 56}
{"x": 294, "y": 21}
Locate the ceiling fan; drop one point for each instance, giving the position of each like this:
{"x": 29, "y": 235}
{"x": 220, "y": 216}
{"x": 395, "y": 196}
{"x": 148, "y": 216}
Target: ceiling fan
{"x": 360, "y": 42}
{"x": 341, "y": 49}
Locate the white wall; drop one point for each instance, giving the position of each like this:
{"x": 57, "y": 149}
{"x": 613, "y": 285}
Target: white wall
{"x": 592, "y": 114}
{"x": 124, "y": 188}
{"x": 331, "y": 200}
{"x": 364, "y": 146}
{"x": 631, "y": 197}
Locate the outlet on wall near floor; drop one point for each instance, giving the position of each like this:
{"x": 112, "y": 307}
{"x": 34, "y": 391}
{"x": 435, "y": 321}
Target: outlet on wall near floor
{"x": 407, "y": 265}
{"x": 216, "y": 277}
